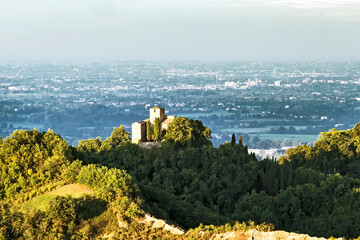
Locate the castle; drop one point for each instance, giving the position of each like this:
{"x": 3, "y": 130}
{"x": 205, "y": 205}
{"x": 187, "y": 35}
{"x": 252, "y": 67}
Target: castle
{"x": 139, "y": 128}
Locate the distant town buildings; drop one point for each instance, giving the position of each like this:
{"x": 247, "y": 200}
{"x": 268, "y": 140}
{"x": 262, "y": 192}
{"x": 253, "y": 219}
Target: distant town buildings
{"x": 83, "y": 100}
{"x": 139, "y": 128}
{"x": 274, "y": 75}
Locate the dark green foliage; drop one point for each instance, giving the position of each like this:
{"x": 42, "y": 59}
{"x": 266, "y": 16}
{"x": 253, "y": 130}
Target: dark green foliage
{"x": 88, "y": 207}
{"x": 308, "y": 208}
{"x": 258, "y": 207}
{"x": 233, "y": 139}
{"x": 63, "y": 210}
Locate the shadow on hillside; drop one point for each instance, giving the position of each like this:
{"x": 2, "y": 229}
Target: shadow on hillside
{"x": 90, "y": 208}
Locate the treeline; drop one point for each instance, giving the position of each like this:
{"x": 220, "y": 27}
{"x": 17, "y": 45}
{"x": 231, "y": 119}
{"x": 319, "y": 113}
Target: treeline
{"x": 292, "y": 130}
{"x": 334, "y": 152}
{"x": 304, "y": 200}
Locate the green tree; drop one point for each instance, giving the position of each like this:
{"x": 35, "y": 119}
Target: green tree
{"x": 118, "y": 137}
{"x": 282, "y": 178}
{"x": 182, "y": 130}
{"x": 233, "y": 139}
{"x": 148, "y": 131}
{"x": 90, "y": 145}
{"x": 157, "y": 130}
{"x": 62, "y": 208}
{"x": 241, "y": 141}
{"x": 290, "y": 178}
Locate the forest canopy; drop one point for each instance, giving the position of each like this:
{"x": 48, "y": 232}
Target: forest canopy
{"x": 313, "y": 190}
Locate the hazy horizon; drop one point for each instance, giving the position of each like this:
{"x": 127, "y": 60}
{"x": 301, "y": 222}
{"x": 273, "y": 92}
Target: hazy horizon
{"x": 159, "y": 30}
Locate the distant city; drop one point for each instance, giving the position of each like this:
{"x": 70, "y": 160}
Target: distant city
{"x": 273, "y": 106}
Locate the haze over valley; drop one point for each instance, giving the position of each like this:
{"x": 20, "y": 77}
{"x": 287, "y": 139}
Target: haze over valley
{"x": 271, "y": 105}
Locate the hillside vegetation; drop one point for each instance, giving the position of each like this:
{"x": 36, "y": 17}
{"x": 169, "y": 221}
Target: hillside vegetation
{"x": 313, "y": 190}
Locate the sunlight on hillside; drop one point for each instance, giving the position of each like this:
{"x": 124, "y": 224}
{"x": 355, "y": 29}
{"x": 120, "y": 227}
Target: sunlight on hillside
{"x": 41, "y": 202}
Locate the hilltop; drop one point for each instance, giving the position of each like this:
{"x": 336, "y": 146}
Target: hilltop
{"x": 199, "y": 189}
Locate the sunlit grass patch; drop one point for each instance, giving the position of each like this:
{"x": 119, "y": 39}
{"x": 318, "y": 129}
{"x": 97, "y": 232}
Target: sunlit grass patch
{"x": 41, "y": 202}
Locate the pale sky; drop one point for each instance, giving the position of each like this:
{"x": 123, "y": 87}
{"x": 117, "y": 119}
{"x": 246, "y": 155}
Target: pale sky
{"x": 181, "y": 29}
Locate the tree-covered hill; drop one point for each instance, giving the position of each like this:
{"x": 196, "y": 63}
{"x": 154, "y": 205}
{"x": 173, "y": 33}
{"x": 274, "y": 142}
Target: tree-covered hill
{"x": 334, "y": 152}
{"x": 313, "y": 190}
{"x": 33, "y": 163}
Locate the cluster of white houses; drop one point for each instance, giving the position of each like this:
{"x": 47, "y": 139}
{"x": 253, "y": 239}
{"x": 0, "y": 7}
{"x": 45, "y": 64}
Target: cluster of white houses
{"x": 138, "y": 129}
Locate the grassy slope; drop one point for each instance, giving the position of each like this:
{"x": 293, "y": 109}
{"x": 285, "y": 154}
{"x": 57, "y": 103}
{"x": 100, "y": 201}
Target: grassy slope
{"x": 41, "y": 202}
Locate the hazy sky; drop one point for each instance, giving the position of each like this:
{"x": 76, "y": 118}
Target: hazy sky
{"x": 181, "y": 29}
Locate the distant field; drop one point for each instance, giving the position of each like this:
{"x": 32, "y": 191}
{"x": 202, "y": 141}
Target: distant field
{"x": 292, "y": 137}
{"x": 86, "y": 128}
{"x": 27, "y": 125}
{"x": 287, "y": 126}
{"x": 41, "y": 202}
{"x": 246, "y": 130}
{"x": 261, "y": 130}
{"x": 264, "y": 120}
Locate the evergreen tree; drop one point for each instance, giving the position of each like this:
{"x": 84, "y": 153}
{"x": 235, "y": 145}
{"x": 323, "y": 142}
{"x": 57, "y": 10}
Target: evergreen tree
{"x": 282, "y": 178}
{"x": 233, "y": 139}
{"x": 290, "y": 177}
{"x": 148, "y": 131}
{"x": 241, "y": 141}
{"x": 157, "y": 130}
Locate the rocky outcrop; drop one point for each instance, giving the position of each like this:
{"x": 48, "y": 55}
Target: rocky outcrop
{"x": 236, "y": 235}
{"x": 257, "y": 235}
{"x": 150, "y": 222}
{"x": 158, "y": 223}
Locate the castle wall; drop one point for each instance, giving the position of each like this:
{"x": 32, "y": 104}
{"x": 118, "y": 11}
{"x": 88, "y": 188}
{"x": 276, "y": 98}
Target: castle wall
{"x": 138, "y": 131}
{"x": 165, "y": 124}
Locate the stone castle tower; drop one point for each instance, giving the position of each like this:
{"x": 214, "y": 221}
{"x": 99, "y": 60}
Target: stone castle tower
{"x": 157, "y": 112}
{"x": 139, "y": 128}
